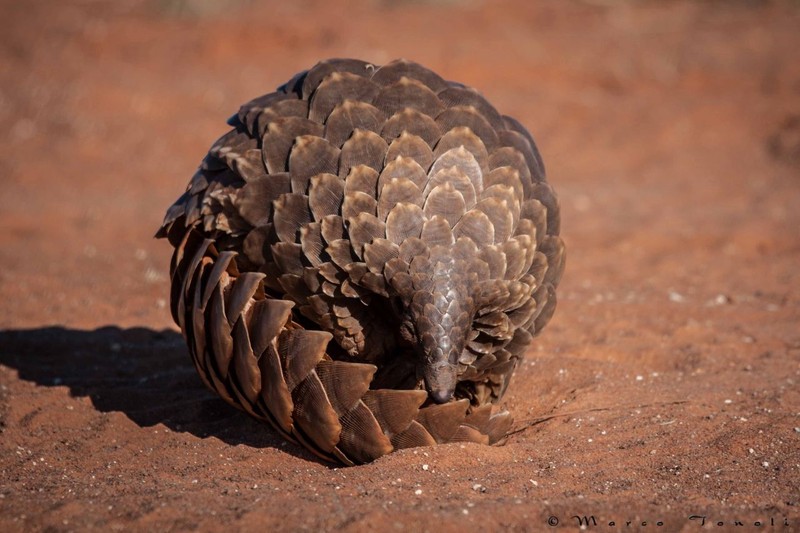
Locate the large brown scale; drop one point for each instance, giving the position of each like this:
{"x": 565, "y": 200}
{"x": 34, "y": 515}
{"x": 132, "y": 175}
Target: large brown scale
{"x": 364, "y": 258}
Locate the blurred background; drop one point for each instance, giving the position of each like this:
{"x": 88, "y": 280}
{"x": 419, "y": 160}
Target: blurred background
{"x": 653, "y": 118}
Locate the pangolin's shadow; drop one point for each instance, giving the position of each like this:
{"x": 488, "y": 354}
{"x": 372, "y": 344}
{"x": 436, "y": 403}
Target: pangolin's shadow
{"x": 143, "y": 373}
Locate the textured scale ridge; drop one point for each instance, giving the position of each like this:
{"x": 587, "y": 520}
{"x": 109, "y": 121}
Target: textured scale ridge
{"x": 363, "y": 259}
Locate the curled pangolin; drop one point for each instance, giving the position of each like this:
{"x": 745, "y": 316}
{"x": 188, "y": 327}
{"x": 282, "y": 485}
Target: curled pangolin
{"x": 363, "y": 259}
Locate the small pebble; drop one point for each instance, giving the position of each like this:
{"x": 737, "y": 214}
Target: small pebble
{"x": 676, "y": 297}
{"x": 720, "y": 299}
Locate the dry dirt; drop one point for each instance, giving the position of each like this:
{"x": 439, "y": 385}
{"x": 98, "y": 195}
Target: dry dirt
{"x": 665, "y": 387}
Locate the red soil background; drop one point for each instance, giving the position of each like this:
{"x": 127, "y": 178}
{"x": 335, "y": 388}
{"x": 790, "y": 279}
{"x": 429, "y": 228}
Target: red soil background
{"x": 666, "y": 385}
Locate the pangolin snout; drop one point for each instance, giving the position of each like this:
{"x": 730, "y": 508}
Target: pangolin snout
{"x": 440, "y": 380}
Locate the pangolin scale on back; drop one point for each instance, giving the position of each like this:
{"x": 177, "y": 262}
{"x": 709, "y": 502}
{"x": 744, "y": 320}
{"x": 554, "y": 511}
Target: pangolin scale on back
{"x": 364, "y": 258}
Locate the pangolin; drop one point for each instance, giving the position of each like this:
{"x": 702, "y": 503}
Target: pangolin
{"x": 362, "y": 260}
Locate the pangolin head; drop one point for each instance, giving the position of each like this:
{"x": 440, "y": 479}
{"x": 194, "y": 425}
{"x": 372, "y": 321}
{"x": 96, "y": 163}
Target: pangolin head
{"x": 440, "y": 309}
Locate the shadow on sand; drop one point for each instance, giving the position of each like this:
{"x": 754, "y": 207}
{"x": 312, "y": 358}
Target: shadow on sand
{"x": 143, "y": 373}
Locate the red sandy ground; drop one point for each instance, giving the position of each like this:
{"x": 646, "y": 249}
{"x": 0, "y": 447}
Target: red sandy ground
{"x": 666, "y": 386}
